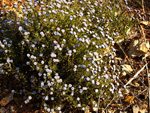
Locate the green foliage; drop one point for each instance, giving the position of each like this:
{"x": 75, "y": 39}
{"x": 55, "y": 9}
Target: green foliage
{"x": 59, "y": 54}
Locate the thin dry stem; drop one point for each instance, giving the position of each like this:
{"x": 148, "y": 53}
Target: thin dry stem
{"x": 110, "y": 102}
{"x": 135, "y": 75}
{"x": 148, "y": 87}
{"x": 135, "y": 97}
{"x": 98, "y": 102}
{"x": 125, "y": 55}
{"x": 143, "y": 6}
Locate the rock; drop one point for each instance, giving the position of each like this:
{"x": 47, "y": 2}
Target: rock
{"x": 6, "y": 99}
{"x": 138, "y": 48}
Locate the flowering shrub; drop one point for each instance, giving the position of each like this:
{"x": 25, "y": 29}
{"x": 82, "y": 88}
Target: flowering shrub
{"x": 58, "y": 51}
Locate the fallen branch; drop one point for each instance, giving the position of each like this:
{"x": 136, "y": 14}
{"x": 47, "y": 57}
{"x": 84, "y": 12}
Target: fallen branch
{"x": 135, "y": 76}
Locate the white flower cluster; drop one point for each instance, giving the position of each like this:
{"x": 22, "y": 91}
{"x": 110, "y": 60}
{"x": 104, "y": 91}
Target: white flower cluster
{"x": 67, "y": 48}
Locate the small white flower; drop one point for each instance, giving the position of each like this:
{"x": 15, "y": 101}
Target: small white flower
{"x": 55, "y": 60}
{"x": 39, "y": 14}
{"x": 79, "y": 105}
{"x": 62, "y": 30}
{"x": 93, "y": 82}
{"x": 72, "y": 93}
{"x": 48, "y": 109}
{"x": 83, "y": 108}
{"x": 72, "y": 88}
{"x": 27, "y": 63}
{"x": 96, "y": 90}
{"x": 42, "y": 84}
{"x": 48, "y": 70}
{"x": 46, "y": 98}
{"x": 56, "y": 77}
{"x": 1, "y": 71}
{"x": 53, "y": 54}
{"x": 51, "y": 20}
{"x": 74, "y": 69}
{"x": 26, "y": 33}
{"x": 20, "y": 28}
{"x": 42, "y": 62}
{"x": 78, "y": 99}
{"x": 70, "y": 85}
{"x": 81, "y": 91}
{"x": 97, "y": 83}
{"x": 88, "y": 78}
{"x": 64, "y": 93}
{"x": 42, "y": 34}
{"x": 44, "y": 20}
{"x": 35, "y": 63}
{"x": 59, "y": 108}
{"x": 52, "y": 98}
{"x": 29, "y": 97}
{"x": 84, "y": 88}
{"x": 43, "y": 45}
{"x": 51, "y": 93}
{"x": 26, "y": 101}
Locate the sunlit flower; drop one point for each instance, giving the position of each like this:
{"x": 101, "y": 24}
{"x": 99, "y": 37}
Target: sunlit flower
{"x": 42, "y": 34}
{"x": 20, "y": 28}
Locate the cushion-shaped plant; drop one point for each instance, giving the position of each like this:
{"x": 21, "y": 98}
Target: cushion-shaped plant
{"x": 63, "y": 52}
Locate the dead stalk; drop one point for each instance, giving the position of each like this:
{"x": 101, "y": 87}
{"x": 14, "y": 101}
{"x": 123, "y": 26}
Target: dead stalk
{"x": 148, "y": 87}
{"x": 143, "y": 6}
{"x": 125, "y": 54}
{"x": 135, "y": 75}
{"x": 110, "y": 102}
{"x": 98, "y": 102}
{"x": 135, "y": 97}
